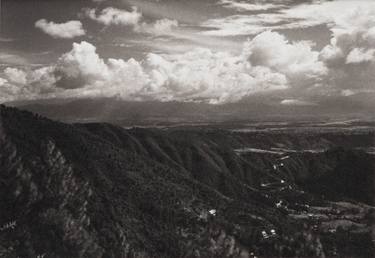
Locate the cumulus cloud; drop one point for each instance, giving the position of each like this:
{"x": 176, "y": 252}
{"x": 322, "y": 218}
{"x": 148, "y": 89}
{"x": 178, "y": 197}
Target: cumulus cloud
{"x": 269, "y": 62}
{"x": 205, "y": 75}
{"x": 70, "y": 29}
{"x": 114, "y": 16}
{"x": 83, "y": 72}
{"x": 6, "y": 90}
{"x": 81, "y": 66}
{"x": 198, "y": 75}
{"x": 353, "y": 37}
{"x": 359, "y": 55}
{"x": 27, "y": 84}
{"x": 15, "y": 75}
{"x": 2, "y": 81}
{"x": 345, "y": 65}
{"x": 296, "y": 60}
{"x": 350, "y": 55}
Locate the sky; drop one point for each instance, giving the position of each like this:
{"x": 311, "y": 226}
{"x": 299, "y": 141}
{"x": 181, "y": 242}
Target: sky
{"x": 289, "y": 52}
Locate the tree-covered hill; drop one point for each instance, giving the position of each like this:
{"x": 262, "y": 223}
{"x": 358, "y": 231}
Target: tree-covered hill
{"x": 98, "y": 190}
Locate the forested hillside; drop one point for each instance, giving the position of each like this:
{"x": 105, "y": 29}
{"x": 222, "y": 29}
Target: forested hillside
{"x": 99, "y": 190}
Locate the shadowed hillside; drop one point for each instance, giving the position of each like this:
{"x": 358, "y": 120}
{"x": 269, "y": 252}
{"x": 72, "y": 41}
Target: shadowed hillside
{"x": 98, "y": 190}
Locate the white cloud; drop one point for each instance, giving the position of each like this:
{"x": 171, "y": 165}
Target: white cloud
{"x": 27, "y": 84}
{"x": 41, "y": 81}
{"x": 214, "y": 77}
{"x": 352, "y": 37}
{"x": 268, "y": 63}
{"x": 15, "y": 75}
{"x": 347, "y": 93}
{"x": 2, "y": 81}
{"x": 80, "y": 66}
{"x": 296, "y": 102}
{"x": 350, "y": 56}
{"x": 359, "y": 55}
{"x": 240, "y": 25}
{"x": 159, "y": 27}
{"x": 296, "y": 60}
{"x": 10, "y": 91}
{"x": 246, "y": 6}
{"x": 114, "y": 16}
{"x": 292, "y": 17}
{"x": 346, "y": 63}
{"x": 7, "y": 91}
{"x": 198, "y": 75}
{"x": 83, "y": 72}
{"x": 70, "y": 29}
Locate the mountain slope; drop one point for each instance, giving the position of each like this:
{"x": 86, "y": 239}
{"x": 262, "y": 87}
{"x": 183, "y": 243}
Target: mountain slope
{"x": 74, "y": 194}
{"x": 98, "y": 190}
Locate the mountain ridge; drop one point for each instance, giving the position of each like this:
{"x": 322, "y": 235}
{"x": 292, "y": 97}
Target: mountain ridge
{"x": 117, "y": 111}
{"x": 98, "y": 190}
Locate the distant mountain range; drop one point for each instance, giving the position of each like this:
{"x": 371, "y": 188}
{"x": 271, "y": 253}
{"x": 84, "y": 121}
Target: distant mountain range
{"x": 126, "y": 112}
{"x": 99, "y": 190}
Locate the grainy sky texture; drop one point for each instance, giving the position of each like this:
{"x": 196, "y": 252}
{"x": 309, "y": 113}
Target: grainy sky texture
{"x": 299, "y": 53}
